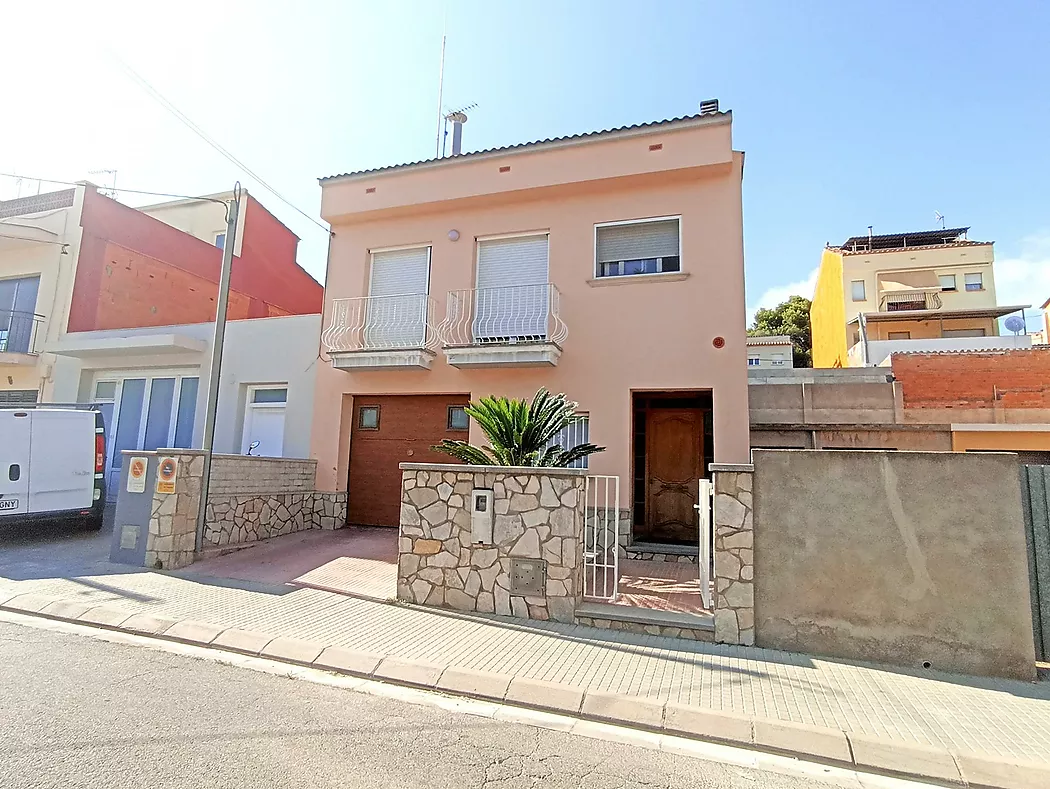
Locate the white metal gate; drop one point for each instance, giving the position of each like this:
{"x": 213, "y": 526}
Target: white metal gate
{"x": 601, "y": 555}
{"x": 704, "y": 511}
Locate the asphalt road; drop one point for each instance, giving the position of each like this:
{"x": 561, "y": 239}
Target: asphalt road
{"x": 55, "y": 550}
{"x": 76, "y": 711}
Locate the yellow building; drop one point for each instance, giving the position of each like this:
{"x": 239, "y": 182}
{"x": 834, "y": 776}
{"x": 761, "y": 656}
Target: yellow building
{"x": 932, "y": 290}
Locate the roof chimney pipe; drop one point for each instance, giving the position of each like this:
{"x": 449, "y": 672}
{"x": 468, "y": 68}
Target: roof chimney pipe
{"x": 458, "y": 119}
{"x": 709, "y": 107}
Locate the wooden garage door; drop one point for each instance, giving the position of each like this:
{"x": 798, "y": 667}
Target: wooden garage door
{"x": 408, "y": 426}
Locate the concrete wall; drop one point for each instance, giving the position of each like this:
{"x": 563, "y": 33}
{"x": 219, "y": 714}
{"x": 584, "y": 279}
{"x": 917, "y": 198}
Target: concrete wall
{"x": 891, "y": 557}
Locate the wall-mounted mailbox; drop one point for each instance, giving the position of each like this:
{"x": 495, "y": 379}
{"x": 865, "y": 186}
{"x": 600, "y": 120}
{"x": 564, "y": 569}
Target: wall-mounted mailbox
{"x": 481, "y": 516}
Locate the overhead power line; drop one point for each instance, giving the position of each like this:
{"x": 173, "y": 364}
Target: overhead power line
{"x": 188, "y": 122}
{"x": 122, "y": 189}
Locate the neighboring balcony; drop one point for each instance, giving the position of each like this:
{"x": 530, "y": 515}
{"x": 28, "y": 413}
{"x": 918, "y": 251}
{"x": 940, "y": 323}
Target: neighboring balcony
{"x": 896, "y": 301}
{"x": 381, "y": 333}
{"x": 516, "y": 326}
{"x": 20, "y": 337}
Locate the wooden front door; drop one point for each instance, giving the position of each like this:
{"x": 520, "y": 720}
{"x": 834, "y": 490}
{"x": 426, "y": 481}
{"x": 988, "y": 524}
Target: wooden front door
{"x": 674, "y": 458}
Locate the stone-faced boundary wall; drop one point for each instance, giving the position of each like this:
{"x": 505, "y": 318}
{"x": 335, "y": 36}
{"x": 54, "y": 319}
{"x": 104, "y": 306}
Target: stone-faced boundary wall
{"x": 538, "y": 515}
{"x": 250, "y": 499}
{"x": 734, "y": 553}
{"x": 255, "y": 498}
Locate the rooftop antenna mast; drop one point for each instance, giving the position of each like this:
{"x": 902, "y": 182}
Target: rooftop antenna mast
{"x": 456, "y": 117}
{"x": 939, "y": 217}
{"x": 110, "y": 189}
{"x": 441, "y": 88}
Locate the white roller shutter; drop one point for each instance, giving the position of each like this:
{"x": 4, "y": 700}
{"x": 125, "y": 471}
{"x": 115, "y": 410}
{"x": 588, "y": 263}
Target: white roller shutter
{"x": 638, "y": 241}
{"x": 397, "y": 311}
{"x": 400, "y": 273}
{"x": 513, "y": 291}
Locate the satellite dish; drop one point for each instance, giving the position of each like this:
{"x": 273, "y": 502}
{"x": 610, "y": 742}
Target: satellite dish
{"x": 1015, "y": 323}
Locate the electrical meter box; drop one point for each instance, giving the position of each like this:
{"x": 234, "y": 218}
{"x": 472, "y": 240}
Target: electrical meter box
{"x": 481, "y": 516}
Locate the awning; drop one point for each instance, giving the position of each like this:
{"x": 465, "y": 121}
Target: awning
{"x": 937, "y": 315}
{"x": 903, "y": 281}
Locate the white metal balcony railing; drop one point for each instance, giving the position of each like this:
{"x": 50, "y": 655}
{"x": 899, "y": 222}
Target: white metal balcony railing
{"x": 894, "y": 301}
{"x": 504, "y": 316}
{"x": 381, "y": 323}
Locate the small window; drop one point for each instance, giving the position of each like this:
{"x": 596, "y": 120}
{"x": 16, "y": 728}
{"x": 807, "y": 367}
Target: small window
{"x": 457, "y": 418}
{"x": 900, "y": 335}
{"x": 753, "y": 361}
{"x": 947, "y": 282}
{"x": 106, "y": 390}
{"x": 974, "y": 281}
{"x": 368, "y": 417}
{"x": 857, "y": 288}
{"x": 648, "y": 247}
{"x": 778, "y": 360}
{"x": 269, "y": 396}
{"x": 220, "y": 240}
{"x": 964, "y": 333}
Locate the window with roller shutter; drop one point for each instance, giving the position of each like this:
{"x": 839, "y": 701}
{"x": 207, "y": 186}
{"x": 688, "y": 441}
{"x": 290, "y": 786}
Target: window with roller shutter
{"x": 397, "y": 309}
{"x": 649, "y": 246}
{"x": 512, "y": 289}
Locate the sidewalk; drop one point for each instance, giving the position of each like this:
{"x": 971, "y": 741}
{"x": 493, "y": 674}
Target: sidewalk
{"x": 938, "y": 725}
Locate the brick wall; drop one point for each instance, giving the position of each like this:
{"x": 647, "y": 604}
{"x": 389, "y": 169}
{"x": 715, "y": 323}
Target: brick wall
{"x": 242, "y": 474}
{"x": 134, "y": 270}
{"x": 992, "y": 379}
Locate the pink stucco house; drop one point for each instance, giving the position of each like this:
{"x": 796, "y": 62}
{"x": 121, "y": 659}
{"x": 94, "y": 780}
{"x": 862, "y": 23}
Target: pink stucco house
{"x": 606, "y": 265}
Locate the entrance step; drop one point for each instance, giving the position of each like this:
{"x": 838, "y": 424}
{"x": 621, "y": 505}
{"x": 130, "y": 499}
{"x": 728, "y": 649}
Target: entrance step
{"x": 647, "y": 621}
{"x": 658, "y": 552}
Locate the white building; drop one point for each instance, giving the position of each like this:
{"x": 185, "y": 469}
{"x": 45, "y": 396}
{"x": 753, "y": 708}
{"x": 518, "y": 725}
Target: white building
{"x": 152, "y": 384}
{"x": 774, "y": 351}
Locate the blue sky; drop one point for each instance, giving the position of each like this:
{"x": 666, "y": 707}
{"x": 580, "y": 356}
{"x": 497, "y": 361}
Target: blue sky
{"x": 851, "y": 114}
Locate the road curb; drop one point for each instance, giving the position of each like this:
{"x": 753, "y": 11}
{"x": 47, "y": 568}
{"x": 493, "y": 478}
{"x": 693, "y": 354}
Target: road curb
{"x": 812, "y": 743}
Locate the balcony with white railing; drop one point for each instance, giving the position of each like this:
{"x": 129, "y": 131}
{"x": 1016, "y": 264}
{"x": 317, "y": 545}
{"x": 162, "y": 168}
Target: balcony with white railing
{"x": 515, "y": 326}
{"x": 381, "y": 333}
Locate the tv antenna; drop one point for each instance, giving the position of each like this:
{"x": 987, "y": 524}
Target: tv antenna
{"x": 110, "y": 188}
{"x": 939, "y": 217}
{"x": 454, "y": 116}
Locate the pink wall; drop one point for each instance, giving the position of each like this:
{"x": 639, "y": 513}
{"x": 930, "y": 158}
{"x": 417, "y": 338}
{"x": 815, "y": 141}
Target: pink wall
{"x": 636, "y": 335}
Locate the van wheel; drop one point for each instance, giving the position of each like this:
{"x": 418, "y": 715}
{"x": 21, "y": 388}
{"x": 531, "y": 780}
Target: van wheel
{"x": 93, "y": 523}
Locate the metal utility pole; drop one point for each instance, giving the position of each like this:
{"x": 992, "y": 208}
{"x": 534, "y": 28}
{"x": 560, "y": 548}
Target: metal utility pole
{"x": 233, "y": 211}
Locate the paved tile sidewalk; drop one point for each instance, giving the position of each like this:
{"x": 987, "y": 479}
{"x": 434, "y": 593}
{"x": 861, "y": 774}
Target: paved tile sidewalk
{"x": 998, "y": 718}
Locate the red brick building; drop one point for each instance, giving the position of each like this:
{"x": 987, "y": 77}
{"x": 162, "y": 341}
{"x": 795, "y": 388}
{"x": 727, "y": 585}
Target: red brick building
{"x": 134, "y": 270}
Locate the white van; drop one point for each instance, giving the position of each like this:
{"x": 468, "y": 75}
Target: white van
{"x": 52, "y": 463}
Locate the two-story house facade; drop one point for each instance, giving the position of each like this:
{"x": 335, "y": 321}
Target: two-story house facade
{"x": 932, "y": 290}
{"x": 608, "y": 266}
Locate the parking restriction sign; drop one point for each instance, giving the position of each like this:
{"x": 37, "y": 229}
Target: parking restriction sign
{"x": 167, "y": 473}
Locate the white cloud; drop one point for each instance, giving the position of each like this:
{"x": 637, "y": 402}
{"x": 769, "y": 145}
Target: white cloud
{"x": 775, "y": 295}
{"x": 1025, "y": 279}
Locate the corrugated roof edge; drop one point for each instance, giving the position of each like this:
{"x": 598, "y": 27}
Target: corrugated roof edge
{"x": 685, "y": 119}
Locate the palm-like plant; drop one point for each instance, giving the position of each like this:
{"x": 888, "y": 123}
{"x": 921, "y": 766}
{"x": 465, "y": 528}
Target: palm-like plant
{"x": 520, "y": 433}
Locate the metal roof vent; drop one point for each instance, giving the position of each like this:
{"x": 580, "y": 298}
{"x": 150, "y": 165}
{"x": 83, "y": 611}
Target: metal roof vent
{"x": 709, "y": 107}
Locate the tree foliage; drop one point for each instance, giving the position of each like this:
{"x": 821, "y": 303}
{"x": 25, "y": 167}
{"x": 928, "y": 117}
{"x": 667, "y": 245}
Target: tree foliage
{"x": 790, "y": 317}
{"x": 520, "y": 433}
